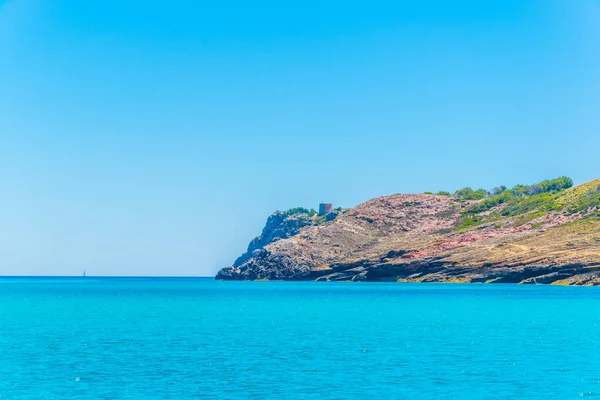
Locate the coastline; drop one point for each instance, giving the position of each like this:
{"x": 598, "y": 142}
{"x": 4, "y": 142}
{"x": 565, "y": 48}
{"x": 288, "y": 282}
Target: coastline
{"x": 527, "y": 235}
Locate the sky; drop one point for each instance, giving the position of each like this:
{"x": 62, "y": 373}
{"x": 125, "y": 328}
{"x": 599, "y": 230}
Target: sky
{"x": 155, "y": 138}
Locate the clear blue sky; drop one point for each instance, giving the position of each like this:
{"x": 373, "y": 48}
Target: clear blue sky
{"x": 154, "y": 137}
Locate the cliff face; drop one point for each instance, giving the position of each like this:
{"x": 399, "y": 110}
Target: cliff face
{"x": 280, "y": 225}
{"x": 551, "y": 237}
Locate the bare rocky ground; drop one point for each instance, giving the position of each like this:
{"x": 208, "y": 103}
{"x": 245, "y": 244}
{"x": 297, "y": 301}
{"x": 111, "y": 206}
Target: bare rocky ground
{"x": 419, "y": 238}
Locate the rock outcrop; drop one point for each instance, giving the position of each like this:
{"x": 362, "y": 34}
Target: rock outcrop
{"x": 280, "y": 225}
{"x": 551, "y": 237}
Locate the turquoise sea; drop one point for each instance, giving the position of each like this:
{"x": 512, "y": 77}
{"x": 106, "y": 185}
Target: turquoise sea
{"x": 171, "y": 338}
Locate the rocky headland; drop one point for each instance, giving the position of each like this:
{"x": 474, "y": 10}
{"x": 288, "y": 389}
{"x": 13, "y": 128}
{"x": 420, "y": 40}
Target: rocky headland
{"x": 543, "y": 233}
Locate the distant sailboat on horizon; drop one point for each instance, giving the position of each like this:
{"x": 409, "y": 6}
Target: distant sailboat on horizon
{"x": 83, "y": 276}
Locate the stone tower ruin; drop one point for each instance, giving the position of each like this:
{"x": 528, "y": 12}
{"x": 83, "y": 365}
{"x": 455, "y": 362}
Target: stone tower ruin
{"x": 325, "y": 208}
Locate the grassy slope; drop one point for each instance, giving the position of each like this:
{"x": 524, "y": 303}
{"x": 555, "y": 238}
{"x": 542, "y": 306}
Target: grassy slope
{"x": 583, "y": 199}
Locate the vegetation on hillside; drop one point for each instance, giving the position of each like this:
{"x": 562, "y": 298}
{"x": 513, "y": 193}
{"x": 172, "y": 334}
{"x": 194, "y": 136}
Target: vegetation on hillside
{"x": 470, "y": 194}
{"x": 522, "y": 203}
{"x": 528, "y": 202}
{"x": 499, "y": 195}
{"x": 301, "y": 210}
{"x": 311, "y": 216}
{"x": 440, "y": 193}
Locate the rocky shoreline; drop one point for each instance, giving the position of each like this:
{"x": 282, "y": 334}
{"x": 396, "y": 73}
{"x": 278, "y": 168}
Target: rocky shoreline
{"x": 544, "y": 238}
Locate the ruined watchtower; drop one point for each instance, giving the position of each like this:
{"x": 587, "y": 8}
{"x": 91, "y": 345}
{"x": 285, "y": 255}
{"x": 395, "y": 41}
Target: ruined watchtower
{"x": 325, "y": 208}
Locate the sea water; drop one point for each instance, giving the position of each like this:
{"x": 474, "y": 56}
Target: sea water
{"x": 165, "y": 338}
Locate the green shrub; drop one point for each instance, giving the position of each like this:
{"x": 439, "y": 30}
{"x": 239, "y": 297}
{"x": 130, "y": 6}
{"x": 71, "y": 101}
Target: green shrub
{"x": 301, "y": 210}
{"x": 498, "y": 190}
{"x": 321, "y": 219}
{"x": 469, "y": 221}
{"x": 561, "y": 183}
{"x": 491, "y": 202}
{"x": 470, "y": 194}
{"x": 549, "y": 185}
{"x": 519, "y": 190}
{"x": 541, "y": 201}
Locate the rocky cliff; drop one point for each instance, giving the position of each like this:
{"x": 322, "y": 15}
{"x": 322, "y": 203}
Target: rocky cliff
{"x": 544, "y": 233}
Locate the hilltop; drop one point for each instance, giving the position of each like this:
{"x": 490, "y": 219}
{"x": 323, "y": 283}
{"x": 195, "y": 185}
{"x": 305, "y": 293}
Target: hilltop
{"x": 543, "y": 233}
